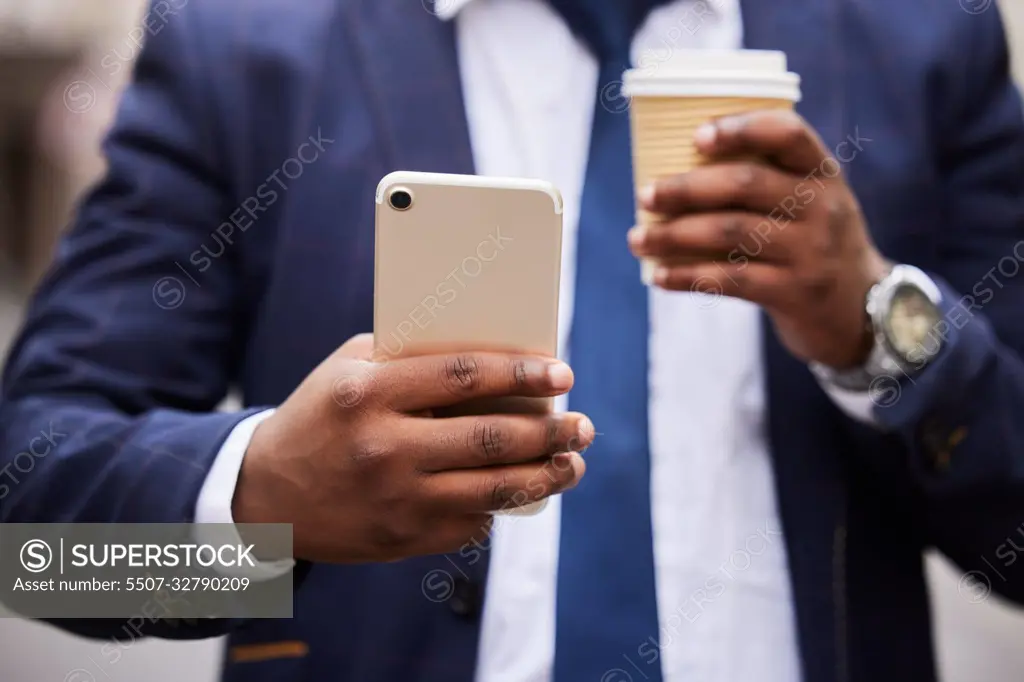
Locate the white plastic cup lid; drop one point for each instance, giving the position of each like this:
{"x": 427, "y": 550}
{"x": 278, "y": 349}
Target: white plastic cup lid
{"x": 713, "y": 73}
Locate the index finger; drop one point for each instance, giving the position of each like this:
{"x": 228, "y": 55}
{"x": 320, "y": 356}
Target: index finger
{"x": 782, "y": 136}
{"x": 433, "y": 381}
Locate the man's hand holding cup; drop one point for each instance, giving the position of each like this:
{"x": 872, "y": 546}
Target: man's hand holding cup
{"x": 782, "y": 230}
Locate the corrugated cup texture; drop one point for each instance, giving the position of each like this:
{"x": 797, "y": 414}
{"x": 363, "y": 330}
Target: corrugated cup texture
{"x": 663, "y": 130}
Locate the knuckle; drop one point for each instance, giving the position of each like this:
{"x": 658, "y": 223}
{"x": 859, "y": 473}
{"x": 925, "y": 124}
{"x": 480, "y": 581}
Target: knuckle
{"x": 520, "y": 375}
{"x": 461, "y": 373}
{"x": 498, "y": 490}
{"x": 369, "y": 451}
{"x": 397, "y": 489}
{"x": 353, "y": 388}
{"x": 745, "y": 177}
{"x": 489, "y": 440}
{"x": 392, "y": 537}
{"x": 837, "y": 211}
{"x": 818, "y": 284}
{"x": 819, "y": 243}
{"x": 730, "y": 229}
{"x": 552, "y": 434}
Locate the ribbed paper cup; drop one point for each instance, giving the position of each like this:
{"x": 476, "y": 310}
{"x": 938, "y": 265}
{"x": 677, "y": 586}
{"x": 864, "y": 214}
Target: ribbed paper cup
{"x": 670, "y": 100}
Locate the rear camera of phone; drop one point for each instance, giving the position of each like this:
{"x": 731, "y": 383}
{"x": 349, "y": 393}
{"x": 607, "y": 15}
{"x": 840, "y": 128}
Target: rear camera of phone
{"x": 400, "y": 199}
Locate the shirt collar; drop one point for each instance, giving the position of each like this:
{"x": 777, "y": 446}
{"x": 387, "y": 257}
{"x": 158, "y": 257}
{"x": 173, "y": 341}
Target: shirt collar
{"x": 446, "y": 10}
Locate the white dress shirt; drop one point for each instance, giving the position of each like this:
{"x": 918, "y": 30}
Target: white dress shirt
{"x": 722, "y": 579}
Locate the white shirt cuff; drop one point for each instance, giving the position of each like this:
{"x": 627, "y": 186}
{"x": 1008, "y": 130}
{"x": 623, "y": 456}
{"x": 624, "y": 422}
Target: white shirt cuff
{"x": 217, "y": 494}
{"x": 857, "y": 405}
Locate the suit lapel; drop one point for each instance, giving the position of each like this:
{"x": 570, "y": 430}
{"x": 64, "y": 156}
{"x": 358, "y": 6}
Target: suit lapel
{"x": 411, "y": 64}
{"x": 809, "y": 479}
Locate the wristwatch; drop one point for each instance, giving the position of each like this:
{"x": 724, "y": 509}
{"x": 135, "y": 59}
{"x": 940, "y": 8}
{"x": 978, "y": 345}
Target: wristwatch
{"x": 903, "y": 313}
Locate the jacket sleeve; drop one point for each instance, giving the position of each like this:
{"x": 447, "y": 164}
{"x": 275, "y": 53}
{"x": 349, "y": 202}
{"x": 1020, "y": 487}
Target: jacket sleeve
{"x": 960, "y": 422}
{"x": 107, "y": 413}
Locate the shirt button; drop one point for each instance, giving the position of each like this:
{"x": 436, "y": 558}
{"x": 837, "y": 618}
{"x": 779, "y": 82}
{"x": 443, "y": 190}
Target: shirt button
{"x": 466, "y": 598}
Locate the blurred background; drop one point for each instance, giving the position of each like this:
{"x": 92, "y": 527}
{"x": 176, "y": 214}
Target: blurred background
{"x": 62, "y": 64}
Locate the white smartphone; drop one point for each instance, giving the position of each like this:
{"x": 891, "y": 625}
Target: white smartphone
{"x": 468, "y": 262}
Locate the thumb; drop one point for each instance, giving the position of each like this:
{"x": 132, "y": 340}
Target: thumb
{"x": 359, "y": 347}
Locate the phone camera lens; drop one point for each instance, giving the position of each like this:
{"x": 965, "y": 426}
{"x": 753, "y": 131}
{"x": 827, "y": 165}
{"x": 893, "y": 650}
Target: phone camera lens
{"x": 400, "y": 199}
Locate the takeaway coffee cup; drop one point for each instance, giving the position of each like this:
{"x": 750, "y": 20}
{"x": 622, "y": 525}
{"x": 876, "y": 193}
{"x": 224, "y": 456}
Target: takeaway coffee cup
{"x": 671, "y": 98}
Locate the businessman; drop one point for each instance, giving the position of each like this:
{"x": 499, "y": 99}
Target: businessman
{"x": 823, "y": 382}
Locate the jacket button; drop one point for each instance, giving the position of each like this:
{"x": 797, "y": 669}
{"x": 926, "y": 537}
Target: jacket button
{"x": 939, "y": 444}
{"x": 466, "y": 598}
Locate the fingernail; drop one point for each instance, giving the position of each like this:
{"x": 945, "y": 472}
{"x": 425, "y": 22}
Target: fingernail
{"x": 705, "y": 135}
{"x": 560, "y": 376}
{"x": 569, "y": 460}
{"x": 661, "y": 276}
{"x": 636, "y": 236}
{"x": 647, "y": 267}
{"x": 584, "y": 432}
{"x": 729, "y": 124}
{"x": 562, "y": 461}
{"x": 646, "y": 196}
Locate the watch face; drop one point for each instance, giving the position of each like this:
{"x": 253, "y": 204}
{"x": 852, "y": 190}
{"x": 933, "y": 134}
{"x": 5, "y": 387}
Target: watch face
{"x": 910, "y": 324}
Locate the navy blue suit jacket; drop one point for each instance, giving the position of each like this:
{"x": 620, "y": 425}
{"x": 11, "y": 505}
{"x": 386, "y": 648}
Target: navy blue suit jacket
{"x": 210, "y": 257}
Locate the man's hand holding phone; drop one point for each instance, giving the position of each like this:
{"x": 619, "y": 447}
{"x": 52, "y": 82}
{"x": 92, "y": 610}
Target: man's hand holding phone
{"x": 356, "y": 461}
